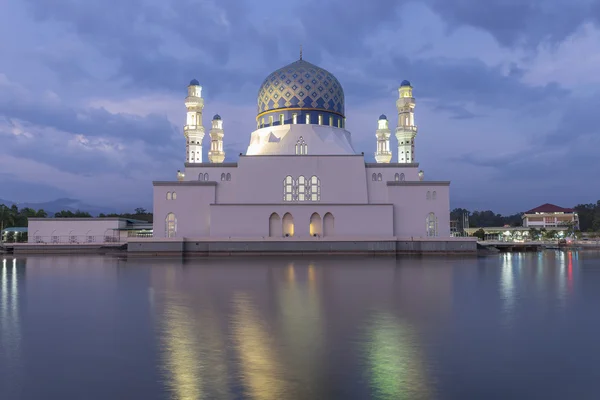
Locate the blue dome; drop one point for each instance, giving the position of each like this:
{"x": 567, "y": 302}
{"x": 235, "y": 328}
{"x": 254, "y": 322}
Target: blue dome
{"x": 194, "y": 82}
{"x": 301, "y": 85}
{"x": 382, "y": 116}
{"x": 217, "y": 117}
{"x": 405, "y": 83}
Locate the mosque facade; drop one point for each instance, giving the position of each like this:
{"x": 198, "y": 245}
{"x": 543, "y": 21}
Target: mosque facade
{"x": 301, "y": 178}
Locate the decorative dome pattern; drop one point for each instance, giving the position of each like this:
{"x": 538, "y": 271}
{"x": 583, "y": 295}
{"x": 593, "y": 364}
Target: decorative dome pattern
{"x": 405, "y": 83}
{"x": 301, "y": 85}
{"x": 194, "y": 82}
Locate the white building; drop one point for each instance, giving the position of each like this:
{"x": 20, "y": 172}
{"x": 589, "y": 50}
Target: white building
{"x": 550, "y": 216}
{"x": 301, "y": 178}
{"x": 90, "y": 231}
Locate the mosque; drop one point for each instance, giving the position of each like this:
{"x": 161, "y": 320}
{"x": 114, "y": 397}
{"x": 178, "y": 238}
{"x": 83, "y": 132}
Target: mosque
{"x": 301, "y": 180}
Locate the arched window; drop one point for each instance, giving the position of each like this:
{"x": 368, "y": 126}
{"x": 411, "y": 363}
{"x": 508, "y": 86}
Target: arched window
{"x": 275, "y": 226}
{"x": 397, "y": 177}
{"x": 328, "y": 225}
{"x": 174, "y": 196}
{"x": 314, "y": 189}
{"x": 307, "y": 118}
{"x": 434, "y": 195}
{"x": 402, "y": 177}
{"x": 301, "y": 146}
{"x": 288, "y": 188}
{"x": 206, "y": 176}
{"x": 223, "y": 176}
{"x": 170, "y": 225}
{"x": 301, "y": 195}
{"x": 428, "y": 196}
{"x": 169, "y": 196}
{"x": 379, "y": 177}
{"x": 315, "y": 228}
{"x": 288, "y": 225}
{"x": 431, "y": 225}
{"x": 374, "y": 176}
{"x": 228, "y": 177}
{"x": 201, "y": 176}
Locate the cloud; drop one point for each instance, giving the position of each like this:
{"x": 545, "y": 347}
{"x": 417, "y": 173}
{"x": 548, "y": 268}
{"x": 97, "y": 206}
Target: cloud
{"x": 93, "y": 91}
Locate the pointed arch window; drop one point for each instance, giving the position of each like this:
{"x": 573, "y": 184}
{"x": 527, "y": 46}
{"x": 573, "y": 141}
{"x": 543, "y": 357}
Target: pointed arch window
{"x": 170, "y": 225}
{"x": 434, "y": 195}
{"x": 169, "y": 196}
{"x": 206, "y": 176}
{"x": 397, "y": 177}
{"x": 379, "y": 177}
{"x": 314, "y": 189}
{"x": 428, "y": 196}
{"x": 301, "y": 192}
{"x": 228, "y": 177}
{"x": 288, "y": 188}
{"x": 200, "y": 176}
{"x": 402, "y": 177}
{"x": 174, "y": 196}
{"x": 374, "y": 176}
{"x": 223, "y": 176}
{"x": 301, "y": 147}
{"x": 431, "y": 225}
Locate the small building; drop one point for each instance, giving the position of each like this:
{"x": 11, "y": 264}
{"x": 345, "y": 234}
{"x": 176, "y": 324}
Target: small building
{"x": 550, "y": 216}
{"x": 86, "y": 230}
{"x": 14, "y": 234}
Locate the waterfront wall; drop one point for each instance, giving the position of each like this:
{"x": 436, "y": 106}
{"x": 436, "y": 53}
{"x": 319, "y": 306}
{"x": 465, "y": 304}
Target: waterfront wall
{"x": 282, "y": 247}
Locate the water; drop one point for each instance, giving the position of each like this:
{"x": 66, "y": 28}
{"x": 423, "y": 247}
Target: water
{"x": 501, "y": 327}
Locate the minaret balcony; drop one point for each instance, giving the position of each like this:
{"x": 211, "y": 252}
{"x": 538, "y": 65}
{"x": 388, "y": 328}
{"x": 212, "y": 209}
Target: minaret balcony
{"x": 193, "y": 130}
{"x": 408, "y": 128}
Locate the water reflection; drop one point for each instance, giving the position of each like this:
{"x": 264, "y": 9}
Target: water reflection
{"x": 10, "y": 324}
{"x": 192, "y": 342}
{"x": 300, "y": 321}
{"x": 261, "y": 372}
{"x": 395, "y": 363}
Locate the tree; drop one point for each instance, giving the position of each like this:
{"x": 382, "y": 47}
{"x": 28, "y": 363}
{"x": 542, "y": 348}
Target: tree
{"x": 140, "y": 210}
{"x": 534, "y": 233}
{"x": 479, "y": 233}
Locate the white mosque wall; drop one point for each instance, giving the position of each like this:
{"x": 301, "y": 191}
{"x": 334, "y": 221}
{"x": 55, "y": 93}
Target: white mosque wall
{"x": 339, "y": 220}
{"x": 260, "y": 180}
{"x": 191, "y": 207}
{"x": 412, "y": 206}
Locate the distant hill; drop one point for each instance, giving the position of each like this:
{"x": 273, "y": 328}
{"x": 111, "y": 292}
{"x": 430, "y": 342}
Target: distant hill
{"x": 66, "y": 204}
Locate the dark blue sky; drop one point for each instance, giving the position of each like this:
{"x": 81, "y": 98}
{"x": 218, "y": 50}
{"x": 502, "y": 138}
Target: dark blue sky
{"x": 508, "y": 92}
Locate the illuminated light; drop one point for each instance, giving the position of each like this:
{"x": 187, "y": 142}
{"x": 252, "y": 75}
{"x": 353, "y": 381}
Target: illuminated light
{"x": 182, "y": 359}
{"x": 260, "y": 371}
{"x": 14, "y": 291}
{"x": 397, "y": 370}
{"x": 311, "y": 273}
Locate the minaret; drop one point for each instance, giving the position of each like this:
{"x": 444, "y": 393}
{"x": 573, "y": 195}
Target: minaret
{"x": 383, "y": 153}
{"x": 406, "y": 130}
{"x": 216, "y": 153}
{"x": 193, "y": 130}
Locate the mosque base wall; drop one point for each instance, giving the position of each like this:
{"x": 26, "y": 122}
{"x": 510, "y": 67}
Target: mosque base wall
{"x": 202, "y": 247}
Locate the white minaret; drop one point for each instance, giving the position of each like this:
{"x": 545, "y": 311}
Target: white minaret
{"x": 216, "y": 153}
{"x": 193, "y": 129}
{"x": 383, "y": 153}
{"x": 406, "y": 130}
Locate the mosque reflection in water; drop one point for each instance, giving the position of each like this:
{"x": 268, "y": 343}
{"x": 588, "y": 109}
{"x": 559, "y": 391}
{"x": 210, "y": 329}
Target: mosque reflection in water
{"x": 276, "y": 329}
{"x": 267, "y": 328}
